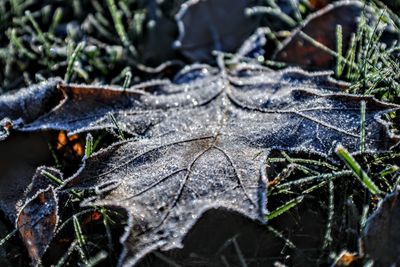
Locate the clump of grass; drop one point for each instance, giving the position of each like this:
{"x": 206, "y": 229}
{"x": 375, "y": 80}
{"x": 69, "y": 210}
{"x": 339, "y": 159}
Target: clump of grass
{"x": 342, "y": 194}
{"x": 92, "y": 41}
{"x": 372, "y": 64}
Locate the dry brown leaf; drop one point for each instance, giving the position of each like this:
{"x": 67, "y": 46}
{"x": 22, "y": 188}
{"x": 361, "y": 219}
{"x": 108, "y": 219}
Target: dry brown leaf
{"x": 207, "y": 25}
{"x": 321, "y": 26}
{"x": 37, "y": 222}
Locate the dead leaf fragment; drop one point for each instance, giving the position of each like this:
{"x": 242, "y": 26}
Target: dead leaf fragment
{"x": 207, "y": 25}
{"x": 37, "y": 222}
{"x": 381, "y": 236}
{"x": 69, "y": 145}
{"x": 321, "y": 26}
{"x": 346, "y": 258}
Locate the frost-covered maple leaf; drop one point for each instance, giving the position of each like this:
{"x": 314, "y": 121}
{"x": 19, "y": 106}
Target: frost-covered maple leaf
{"x": 201, "y": 142}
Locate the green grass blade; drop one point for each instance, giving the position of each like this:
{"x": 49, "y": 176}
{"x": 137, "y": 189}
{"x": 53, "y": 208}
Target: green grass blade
{"x": 339, "y": 48}
{"x": 356, "y": 168}
{"x": 39, "y": 32}
{"x": 278, "y": 234}
{"x": 71, "y": 61}
{"x": 127, "y": 80}
{"x": 78, "y": 232}
{"x": 61, "y": 262}
{"x": 59, "y": 182}
{"x": 120, "y": 132}
{"x": 80, "y": 238}
{"x": 284, "y": 208}
{"x": 89, "y": 145}
{"x": 362, "y": 134}
{"x": 119, "y": 26}
{"x": 58, "y": 14}
{"x": 52, "y": 177}
{"x": 331, "y": 210}
{"x": 19, "y": 46}
{"x": 96, "y": 259}
{"x": 8, "y": 236}
{"x": 389, "y": 170}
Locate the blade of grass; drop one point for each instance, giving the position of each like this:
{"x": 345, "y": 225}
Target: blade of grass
{"x": 324, "y": 48}
{"x": 284, "y": 208}
{"x": 165, "y": 259}
{"x": 71, "y": 61}
{"x": 288, "y": 242}
{"x": 52, "y": 177}
{"x": 295, "y": 8}
{"x": 8, "y": 236}
{"x": 389, "y": 170}
{"x": 98, "y": 258}
{"x": 239, "y": 253}
{"x": 305, "y": 161}
{"x": 119, "y": 26}
{"x": 98, "y": 141}
{"x": 351, "y": 57}
{"x": 364, "y": 217}
{"x": 19, "y": 46}
{"x": 128, "y": 78}
{"x": 61, "y": 262}
{"x": 59, "y": 182}
{"x": 314, "y": 178}
{"x": 331, "y": 209}
{"x": 80, "y": 238}
{"x": 371, "y": 41}
{"x": 356, "y": 169}
{"x": 58, "y": 14}
{"x": 106, "y": 223}
{"x": 120, "y": 132}
{"x": 362, "y": 133}
{"x": 339, "y": 48}
{"x": 89, "y": 145}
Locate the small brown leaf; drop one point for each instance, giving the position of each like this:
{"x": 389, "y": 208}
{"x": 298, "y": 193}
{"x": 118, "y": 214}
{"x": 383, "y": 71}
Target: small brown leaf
{"x": 92, "y": 217}
{"x": 37, "y": 222}
{"x": 207, "y": 25}
{"x": 321, "y": 26}
{"x": 68, "y": 145}
{"x": 346, "y": 258}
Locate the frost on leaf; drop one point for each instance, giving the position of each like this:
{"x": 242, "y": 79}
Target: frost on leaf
{"x": 37, "y": 222}
{"x": 28, "y": 104}
{"x": 201, "y": 143}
